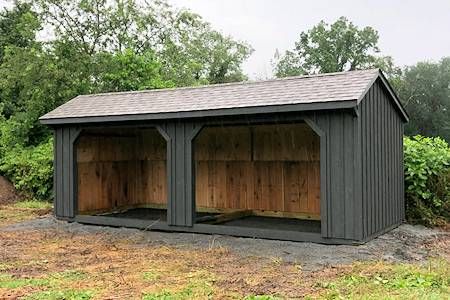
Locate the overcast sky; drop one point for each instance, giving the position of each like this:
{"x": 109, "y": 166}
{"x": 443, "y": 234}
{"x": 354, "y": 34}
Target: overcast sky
{"x": 410, "y": 31}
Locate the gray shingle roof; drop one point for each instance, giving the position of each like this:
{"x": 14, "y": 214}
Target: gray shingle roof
{"x": 323, "y": 88}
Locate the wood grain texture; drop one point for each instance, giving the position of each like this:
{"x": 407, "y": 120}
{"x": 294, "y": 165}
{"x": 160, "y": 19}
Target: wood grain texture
{"x": 120, "y": 168}
{"x": 259, "y": 167}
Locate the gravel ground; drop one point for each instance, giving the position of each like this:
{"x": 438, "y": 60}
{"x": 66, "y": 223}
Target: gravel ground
{"x": 406, "y": 243}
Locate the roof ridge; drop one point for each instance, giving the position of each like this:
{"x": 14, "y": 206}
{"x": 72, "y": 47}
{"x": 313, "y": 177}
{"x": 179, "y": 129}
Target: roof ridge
{"x": 240, "y": 83}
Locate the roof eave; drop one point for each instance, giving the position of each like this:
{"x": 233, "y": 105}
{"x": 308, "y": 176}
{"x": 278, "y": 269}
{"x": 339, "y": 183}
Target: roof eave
{"x": 391, "y": 92}
{"x": 345, "y": 104}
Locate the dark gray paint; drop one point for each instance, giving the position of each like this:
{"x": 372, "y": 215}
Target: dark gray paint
{"x": 213, "y": 229}
{"x": 65, "y": 171}
{"x": 180, "y": 180}
{"x": 361, "y": 168}
{"x": 381, "y": 165}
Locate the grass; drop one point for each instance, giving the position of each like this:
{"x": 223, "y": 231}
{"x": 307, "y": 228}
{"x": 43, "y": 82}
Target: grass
{"x": 57, "y": 264}
{"x": 392, "y": 281}
{"x": 49, "y": 287}
{"x": 23, "y": 210}
{"x": 60, "y": 295}
{"x": 33, "y": 204}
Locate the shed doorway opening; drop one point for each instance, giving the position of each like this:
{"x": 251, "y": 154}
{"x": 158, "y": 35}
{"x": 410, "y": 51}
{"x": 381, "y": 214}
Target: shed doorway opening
{"x": 264, "y": 176}
{"x": 121, "y": 172}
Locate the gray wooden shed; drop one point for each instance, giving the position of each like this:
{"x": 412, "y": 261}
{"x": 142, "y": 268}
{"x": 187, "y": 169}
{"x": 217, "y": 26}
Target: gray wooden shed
{"x": 310, "y": 158}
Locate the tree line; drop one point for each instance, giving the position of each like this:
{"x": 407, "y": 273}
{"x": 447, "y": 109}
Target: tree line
{"x": 54, "y": 50}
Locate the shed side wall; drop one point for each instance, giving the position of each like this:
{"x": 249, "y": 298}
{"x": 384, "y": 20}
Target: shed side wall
{"x": 381, "y": 146}
{"x": 342, "y": 212}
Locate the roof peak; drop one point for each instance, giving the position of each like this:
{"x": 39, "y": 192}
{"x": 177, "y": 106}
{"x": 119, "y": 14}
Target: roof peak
{"x": 239, "y": 83}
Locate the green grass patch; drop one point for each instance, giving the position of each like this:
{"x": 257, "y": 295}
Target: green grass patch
{"x": 199, "y": 286}
{"x": 398, "y": 281}
{"x": 55, "y": 279}
{"x": 9, "y": 282}
{"x": 33, "y": 204}
{"x": 61, "y": 295}
{"x": 151, "y": 275}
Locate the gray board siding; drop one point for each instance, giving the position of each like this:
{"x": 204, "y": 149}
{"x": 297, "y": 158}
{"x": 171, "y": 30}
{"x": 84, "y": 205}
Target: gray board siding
{"x": 360, "y": 152}
{"x": 381, "y": 172}
{"x": 337, "y": 130}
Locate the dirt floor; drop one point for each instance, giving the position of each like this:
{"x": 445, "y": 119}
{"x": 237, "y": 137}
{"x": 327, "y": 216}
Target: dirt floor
{"x": 48, "y": 259}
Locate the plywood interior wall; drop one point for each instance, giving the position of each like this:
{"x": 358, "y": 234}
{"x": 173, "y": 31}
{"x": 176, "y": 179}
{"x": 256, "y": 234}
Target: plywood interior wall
{"x": 120, "y": 168}
{"x": 260, "y": 167}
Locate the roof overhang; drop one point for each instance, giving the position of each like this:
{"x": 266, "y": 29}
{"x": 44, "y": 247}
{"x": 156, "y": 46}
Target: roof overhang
{"x": 347, "y": 104}
{"x": 398, "y": 105}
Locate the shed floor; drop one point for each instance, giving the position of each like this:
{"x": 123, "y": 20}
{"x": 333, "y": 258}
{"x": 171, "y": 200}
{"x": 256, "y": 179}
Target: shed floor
{"x": 249, "y": 222}
{"x": 276, "y": 223}
{"x": 141, "y": 214}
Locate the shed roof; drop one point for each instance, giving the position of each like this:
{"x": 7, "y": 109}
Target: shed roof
{"x": 322, "y": 91}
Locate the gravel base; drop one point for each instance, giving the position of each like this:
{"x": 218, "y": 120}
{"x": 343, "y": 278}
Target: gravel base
{"x": 407, "y": 243}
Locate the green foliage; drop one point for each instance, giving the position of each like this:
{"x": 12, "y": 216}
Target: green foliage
{"x": 190, "y": 51}
{"x": 30, "y": 169}
{"x": 127, "y": 71}
{"x": 18, "y": 26}
{"x": 327, "y": 48}
{"x": 425, "y": 92}
{"x": 97, "y": 46}
{"x": 427, "y": 179}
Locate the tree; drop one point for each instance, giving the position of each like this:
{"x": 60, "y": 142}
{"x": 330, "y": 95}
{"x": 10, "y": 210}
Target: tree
{"x": 338, "y": 47}
{"x": 190, "y": 51}
{"x": 94, "y": 46}
{"x": 127, "y": 71}
{"x": 424, "y": 90}
{"x": 18, "y": 26}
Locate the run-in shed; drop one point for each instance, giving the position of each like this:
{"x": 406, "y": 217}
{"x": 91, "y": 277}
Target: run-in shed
{"x": 310, "y": 158}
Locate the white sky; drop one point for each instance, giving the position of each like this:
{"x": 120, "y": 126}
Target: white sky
{"x": 410, "y": 31}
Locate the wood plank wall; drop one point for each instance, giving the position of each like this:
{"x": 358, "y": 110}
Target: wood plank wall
{"x": 120, "y": 168}
{"x": 260, "y": 167}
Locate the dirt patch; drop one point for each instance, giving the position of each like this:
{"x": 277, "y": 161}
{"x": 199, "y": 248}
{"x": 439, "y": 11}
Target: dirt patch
{"x": 124, "y": 263}
{"x": 8, "y": 192}
{"x": 406, "y": 243}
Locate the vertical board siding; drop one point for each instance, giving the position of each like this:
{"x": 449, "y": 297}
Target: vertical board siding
{"x": 180, "y": 179}
{"x": 65, "y": 185}
{"x": 120, "y": 168}
{"x": 258, "y": 167}
{"x": 339, "y": 217}
{"x": 381, "y": 161}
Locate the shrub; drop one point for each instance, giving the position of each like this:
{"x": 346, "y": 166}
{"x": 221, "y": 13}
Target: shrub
{"x": 427, "y": 180}
{"x": 30, "y": 169}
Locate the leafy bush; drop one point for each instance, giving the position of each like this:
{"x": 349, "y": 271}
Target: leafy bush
{"x": 30, "y": 169}
{"x": 427, "y": 180}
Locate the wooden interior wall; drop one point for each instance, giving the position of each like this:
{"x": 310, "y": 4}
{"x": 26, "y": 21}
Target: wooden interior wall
{"x": 260, "y": 167}
{"x": 120, "y": 168}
